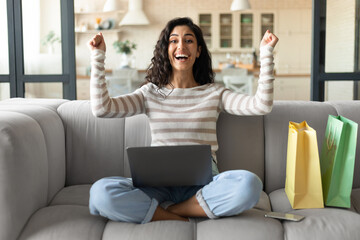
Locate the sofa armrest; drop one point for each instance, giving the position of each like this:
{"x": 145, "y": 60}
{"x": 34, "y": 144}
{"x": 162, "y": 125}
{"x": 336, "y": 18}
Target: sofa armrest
{"x": 23, "y": 172}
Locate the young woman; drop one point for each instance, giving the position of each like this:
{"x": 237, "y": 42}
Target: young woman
{"x": 183, "y": 104}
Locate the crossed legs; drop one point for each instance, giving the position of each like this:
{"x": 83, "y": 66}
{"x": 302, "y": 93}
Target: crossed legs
{"x": 229, "y": 194}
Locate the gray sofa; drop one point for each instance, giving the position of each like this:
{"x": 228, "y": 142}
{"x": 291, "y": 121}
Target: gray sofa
{"x": 51, "y": 151}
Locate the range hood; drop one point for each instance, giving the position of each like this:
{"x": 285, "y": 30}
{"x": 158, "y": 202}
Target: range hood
{"x": 135, "y": 14}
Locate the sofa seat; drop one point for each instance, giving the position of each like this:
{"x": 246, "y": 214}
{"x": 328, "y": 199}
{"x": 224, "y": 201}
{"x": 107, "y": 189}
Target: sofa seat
{"x": 75, "y": 199}
{"x": 250, "y": 224}
{"x": 161, "y": 230}
{"x": 69, "y": 217}
{"x": 320, "y": 223}
{"x": 323, "y": 224}
{"x": 64, "y": 222}
{"x": 73, "y": 195}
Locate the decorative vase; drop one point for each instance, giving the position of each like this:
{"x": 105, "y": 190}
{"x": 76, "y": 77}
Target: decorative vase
{"x": 50, "y": 49}
{"x": 124, "y": 61}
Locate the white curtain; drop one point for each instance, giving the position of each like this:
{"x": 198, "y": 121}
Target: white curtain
{"x": 4, "y": 53}
{"x": 31, "y": 34}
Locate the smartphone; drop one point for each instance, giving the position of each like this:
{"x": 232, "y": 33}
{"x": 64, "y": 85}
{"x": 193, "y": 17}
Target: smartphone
{"x": 285, "y": 216}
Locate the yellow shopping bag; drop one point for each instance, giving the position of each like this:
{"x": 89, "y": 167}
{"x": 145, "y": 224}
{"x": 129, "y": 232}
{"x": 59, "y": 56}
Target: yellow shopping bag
{"x": 303, "y": 176}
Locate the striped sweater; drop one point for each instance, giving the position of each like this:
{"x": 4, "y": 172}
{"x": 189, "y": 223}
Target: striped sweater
{"x": 182, "y": 116}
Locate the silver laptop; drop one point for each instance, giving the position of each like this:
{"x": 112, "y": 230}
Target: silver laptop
{"x": 184, "y": 165}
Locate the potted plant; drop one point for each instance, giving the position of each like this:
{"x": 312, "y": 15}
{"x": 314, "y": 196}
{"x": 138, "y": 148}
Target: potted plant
{"x": 125, "y": 49}
{"x": 49, "y": 40}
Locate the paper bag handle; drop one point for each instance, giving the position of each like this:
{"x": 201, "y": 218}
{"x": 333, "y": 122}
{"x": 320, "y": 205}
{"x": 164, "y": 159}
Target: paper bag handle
{"x": 331, "y": 144}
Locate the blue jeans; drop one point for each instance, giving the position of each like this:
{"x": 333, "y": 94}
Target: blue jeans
{"x": 230, "y": 193}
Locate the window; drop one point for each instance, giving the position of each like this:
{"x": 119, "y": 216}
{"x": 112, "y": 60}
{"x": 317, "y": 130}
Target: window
{"x": 335, "y": 56}
{"x": 41, "y": 47}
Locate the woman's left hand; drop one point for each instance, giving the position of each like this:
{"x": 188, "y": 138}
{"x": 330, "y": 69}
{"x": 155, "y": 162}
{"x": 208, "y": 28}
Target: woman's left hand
{"x": 269, "y": 39}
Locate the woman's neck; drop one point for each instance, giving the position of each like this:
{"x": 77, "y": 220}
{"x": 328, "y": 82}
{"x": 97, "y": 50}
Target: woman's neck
{"x": 182, "y": 80}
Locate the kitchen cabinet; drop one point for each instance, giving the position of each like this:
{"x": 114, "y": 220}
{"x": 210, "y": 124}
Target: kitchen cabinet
{"x": 225, "y": 27}
{"x": 246, "y": 30}
{"x": 205, "y": 24}
{"x": 235, "y": 32}
{"x": 267, "y": 22}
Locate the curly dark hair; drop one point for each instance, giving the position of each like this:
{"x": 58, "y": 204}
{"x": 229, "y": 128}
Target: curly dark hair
{"x": 160, "y": 69}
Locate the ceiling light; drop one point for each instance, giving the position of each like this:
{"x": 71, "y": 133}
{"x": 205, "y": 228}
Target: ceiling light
{"x": 239, "y": 5}
{"x": 111, "y": 5}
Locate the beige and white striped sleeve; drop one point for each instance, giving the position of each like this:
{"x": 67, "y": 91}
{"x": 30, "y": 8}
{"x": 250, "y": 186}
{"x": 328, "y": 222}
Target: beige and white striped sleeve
{"x": 261, "y": 103}
{"x": 102, "y": 105}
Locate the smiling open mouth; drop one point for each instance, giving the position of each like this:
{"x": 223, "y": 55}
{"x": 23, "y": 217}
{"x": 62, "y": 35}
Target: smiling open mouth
{"x": 181, "y": 57}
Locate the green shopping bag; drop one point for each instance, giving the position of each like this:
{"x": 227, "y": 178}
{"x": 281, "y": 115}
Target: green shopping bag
{"x": 337, "y": 161}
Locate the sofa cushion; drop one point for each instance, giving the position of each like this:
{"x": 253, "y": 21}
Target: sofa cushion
{"x": 94, "y": 146}
{"x": 73, "y": 195}
{"x": 324, "y": 224}
{"x": 263, "y": 203}
{"x": 241, "y": 143}
{"x": 279, "y": 201}
{"x": 137, "y": 133}
{"x": 248, "y": 225}
{"x": 53, "y": 131}
{"x": 276, "y": 125}
{"x": 64, "y": 222}
{"x": 355, "y": 199}
{"x": 159, "y": 230}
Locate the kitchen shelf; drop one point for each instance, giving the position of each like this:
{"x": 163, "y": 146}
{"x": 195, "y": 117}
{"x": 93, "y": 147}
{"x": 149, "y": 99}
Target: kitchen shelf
{"x": 85, "y": 22}
{"x": 99, "y": 12}
{"x": 116, "y": 30}
{"x": 226, "y": 24}
{"x": 267, "y": 22}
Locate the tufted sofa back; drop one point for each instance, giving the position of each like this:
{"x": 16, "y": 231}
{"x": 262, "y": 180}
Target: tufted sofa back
{"x": 95, "y": 147}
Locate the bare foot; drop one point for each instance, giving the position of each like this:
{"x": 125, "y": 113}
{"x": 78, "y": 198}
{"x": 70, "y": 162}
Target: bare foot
{"x": 188, "y": 208}
{"x": 162, "y": 214}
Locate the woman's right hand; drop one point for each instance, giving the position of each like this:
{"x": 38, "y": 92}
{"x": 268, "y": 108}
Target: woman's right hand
{"x": 97, "y": 42}
{"x": 269, "y": 39}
